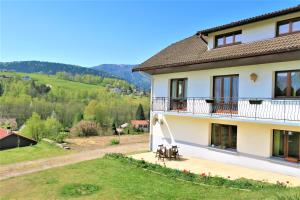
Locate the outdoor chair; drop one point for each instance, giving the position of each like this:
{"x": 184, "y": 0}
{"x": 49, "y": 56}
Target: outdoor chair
{"x": 174, "y": 153}
{"x": 160, "y": 152}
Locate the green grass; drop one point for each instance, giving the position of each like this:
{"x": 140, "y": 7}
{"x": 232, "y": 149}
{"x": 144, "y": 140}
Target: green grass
{"x": 41, "y": 150}
{"x": 109, "y": 178}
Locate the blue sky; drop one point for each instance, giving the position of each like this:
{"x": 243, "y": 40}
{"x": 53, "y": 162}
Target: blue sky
{"x": 92, "y": 32}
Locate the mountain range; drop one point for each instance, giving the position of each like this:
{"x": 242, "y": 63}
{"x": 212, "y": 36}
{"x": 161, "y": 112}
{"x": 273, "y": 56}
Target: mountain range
{"x": 139, "y": 79}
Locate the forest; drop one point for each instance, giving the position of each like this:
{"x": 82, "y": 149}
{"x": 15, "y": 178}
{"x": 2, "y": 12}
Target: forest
{"x": 63, "y": 101}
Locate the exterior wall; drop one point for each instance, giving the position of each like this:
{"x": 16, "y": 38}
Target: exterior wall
{"x": 13, "y": 141}
{"x": 192, "y": 135}
{"x": 200, "y": 83}
{"x": 255, "y": 31}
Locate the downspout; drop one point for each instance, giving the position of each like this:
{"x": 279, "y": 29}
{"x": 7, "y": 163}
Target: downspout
{"x": 151, "y": 115}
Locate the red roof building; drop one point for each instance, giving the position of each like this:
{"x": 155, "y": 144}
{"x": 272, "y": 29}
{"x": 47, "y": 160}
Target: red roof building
{"x": 141, "y": 124}
{"x": 10, "y": 139}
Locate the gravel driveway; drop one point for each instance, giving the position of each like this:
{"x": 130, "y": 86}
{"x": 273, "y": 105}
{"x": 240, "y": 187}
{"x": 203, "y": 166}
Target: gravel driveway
{"x": 17, "y": 169}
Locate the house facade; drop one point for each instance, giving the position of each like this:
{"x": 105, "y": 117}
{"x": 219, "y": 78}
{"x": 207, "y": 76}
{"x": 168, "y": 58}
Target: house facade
{"x": 231, "y": 93}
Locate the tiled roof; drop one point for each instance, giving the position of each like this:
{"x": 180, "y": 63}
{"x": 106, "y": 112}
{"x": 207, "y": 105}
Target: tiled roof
{"x": 3, "y": 133}
{"x": 193, "y": 50}
{"x": 252, "y": 19}
{"x": 139, "y": 122}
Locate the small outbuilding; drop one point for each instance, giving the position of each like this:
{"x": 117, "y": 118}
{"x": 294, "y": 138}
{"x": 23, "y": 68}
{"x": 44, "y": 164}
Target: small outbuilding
{"x": 10, "y": 139}
{"x": 141, "y": 124}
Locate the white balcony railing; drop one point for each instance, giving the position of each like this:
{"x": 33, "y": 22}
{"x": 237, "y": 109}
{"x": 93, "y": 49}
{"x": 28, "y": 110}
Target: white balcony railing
{"x": 260, "y": 108}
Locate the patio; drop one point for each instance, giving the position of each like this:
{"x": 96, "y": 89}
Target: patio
{"x": 214, "y": 168}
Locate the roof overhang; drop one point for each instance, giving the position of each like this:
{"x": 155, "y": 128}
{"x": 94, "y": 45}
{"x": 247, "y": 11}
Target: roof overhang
{"x": 251, "y": 20}
{"x": 258, "y": 59}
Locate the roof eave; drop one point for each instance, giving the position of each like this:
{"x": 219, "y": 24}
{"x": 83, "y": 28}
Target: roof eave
{"x": 251, "y": 20}
{"x": 290, "y": 55}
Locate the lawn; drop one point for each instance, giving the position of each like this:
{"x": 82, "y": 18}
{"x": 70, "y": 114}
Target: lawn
{"x": 107, "y": 178}
{"x": 41, "y": 150}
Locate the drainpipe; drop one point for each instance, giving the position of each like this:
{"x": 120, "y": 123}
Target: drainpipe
{"x": 151, "y": 115}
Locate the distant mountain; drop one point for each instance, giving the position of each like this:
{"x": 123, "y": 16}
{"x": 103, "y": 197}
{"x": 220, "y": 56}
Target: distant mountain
{"x": 49, "y": 68}
{"x": 140, "y": 79}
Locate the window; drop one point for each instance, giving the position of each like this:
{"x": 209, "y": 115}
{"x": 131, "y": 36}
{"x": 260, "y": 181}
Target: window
{"x": 286, "y": 144}
{"x": 228, "y": 39}
{"x": 178, "y": 94}
{"x": 225, "y": 91}
{"x": 224, "y": 136}
{"x": 287, "y": 84}
{"x": 288, "y": 26}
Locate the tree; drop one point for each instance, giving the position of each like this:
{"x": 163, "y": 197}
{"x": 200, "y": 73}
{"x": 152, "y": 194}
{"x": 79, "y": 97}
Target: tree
{"x": 52, "y": 128}
{"x": 140, "y": 115}
{"x": 1, "y": 90}
{"x": 77, "y": 118}
{"x": 35, "y": 127}
{"x": 114, "y": 127}
{"x": 86, "y": 128}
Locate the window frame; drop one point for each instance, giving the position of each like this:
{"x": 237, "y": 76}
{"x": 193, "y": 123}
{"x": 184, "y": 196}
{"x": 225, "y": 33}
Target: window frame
{"x": 290, "y": 24}
{"x": 177, "y": 86}
{"x": 230, "y": 136}
{"x": 234, "y": 33}
{"x": 289, "y": 85}
{"x": 222, "y": 84}
{"x": 285, "y": 144}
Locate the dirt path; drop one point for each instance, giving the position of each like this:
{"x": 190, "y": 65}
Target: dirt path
{"x": 96, "y": 142}
{"x": 11, "y": 170}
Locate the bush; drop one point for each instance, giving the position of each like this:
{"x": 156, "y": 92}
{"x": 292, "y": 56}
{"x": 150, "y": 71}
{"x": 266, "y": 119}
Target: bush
{"x": 60, "y": 137}
{"x": 114, "y": 141}
{"x": 132, "y": 130}
{"x": 86, "y": 128}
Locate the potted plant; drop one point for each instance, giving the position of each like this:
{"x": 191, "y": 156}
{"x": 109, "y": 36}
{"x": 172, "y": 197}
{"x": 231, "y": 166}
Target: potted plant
{"x": 209, "y": 100}
{"x": 255, "y": 101}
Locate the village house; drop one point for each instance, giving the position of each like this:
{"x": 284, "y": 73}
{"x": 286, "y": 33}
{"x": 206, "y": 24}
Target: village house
{"x": 10, "y": 139}
{"x": 231, "y": 93}
{"x": 140, "y": 124}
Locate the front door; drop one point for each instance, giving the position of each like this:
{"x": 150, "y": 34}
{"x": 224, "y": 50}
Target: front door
{"x": 226, "y": 94}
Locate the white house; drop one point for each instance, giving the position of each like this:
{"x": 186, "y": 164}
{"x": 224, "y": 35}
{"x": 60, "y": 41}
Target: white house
{"x": 231, "y": 93}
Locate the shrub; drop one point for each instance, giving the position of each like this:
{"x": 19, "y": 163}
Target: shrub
{"x": 114, "y": 141}
{"x": 60, "y": 137}
{"x": 132, "y": 130}
{"x": 86, "y": 128}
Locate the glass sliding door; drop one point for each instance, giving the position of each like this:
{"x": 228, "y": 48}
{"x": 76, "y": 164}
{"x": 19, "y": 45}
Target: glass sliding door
{"x": 178, "y": 99}
{"x": 226, "y": 93}
{"x": 224, "y": 136}
{"x": 286, "y": 144}
{"x": 278, "y": 143}
{"x": 293, "y": 145}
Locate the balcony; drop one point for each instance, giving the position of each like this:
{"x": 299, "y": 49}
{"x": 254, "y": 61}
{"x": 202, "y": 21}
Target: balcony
{"x": 280, "y": 110}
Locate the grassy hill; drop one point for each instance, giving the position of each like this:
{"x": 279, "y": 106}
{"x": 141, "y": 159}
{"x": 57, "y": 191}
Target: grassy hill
{"x": 66, "y": 99}
{"x": 140, "y": 79}
{"x": 123, "y": 72}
